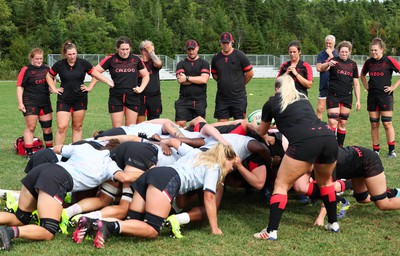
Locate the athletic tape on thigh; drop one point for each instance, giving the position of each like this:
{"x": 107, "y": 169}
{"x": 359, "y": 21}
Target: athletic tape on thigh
{"x": 374, "y": 120}
{"x": 386, "y": 119}
{"x": 45, "y": 124}
{"x": 344, "y": 116}
{"x": 110, "y": 190}
{"x": 132, "y": 215}
{"x": 333, "y": 115}
{"x": 153, "y": 220}
{"x": 361, "y": 196}
{"x": 379, "y": 197}
{"x": 50, "y": 225}
{"x": 127, "y": 194}
{"x": 24, "y": 217}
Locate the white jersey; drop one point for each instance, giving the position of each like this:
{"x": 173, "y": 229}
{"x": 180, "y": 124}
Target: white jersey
{"x": 148, "y": 128}
{"x": 88, "y": 167}
{"x": 164, "y": 160}
{"x": 238, "y": 142}
{"x": 195, "y": 177}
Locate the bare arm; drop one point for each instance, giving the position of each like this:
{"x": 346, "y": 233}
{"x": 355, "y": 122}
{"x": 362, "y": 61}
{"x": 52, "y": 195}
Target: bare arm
{"x": 96, "y": 74}
{"x": 51, "y": 81}
{"x": 121, "y": 138}
{"x": 248, "y": 76}
{"x": 210, "y": 205}
{"x": 256, "y": 178}
{"x": 94, "y": 81}
{"x": 364, "y": 81}
{"x": 21, "y": 106}
{"x": 356, "y": 86}
{"x": 145, "y": 80}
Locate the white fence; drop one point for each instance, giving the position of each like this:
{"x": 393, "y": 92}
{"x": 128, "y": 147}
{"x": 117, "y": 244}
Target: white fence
{"x": 264, "y": 66}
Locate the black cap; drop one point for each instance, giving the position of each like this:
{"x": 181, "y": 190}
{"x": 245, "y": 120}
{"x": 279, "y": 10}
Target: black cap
{"x": 226, "y": 37}
{"x": 191, "y": 44}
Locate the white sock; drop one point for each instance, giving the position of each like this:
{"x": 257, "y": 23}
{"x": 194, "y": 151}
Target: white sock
{"x": 183, "y": 218}
{"x": 73, "y": 210}
{"x": 93, "y": 215}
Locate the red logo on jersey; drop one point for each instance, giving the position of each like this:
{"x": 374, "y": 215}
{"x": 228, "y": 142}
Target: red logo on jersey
{"x": 226, "y": 59}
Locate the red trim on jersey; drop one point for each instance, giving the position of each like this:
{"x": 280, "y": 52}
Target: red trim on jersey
{"x": 239, "y": 130}
{"x": 213, "y": 71}
{"x": 328, "y": 191}
{"x": 309, "y": 71}
{"x": 196, "y": 128}
{"x": 395, "y": 63}
{"x": 105, "y": 59}
{"x": 51, "y": 71}
{"x": 280, "y": 70}
{"x": 252, "y": 166}
{"x": 90, "y": 71}
{"x": 21, "y": 76}
{"x": 180, "y": 71}
{"x": 205, "y": 70}
{"x": 278, "y": 198}
{"x": 249, "y": 67}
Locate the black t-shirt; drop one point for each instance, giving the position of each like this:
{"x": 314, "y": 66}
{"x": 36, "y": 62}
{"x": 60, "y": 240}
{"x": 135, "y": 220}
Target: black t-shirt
{"x": 298, "y": 121}
{"x": 33, "y": 80}
{"x": 72, "y": 77}
{"x": 153, "y": 87}
{"x": 341, "y": 77}
{"x": 230, "y": 70}
{"x": 193, "y": 68}
{"x": 303, "y": 68}
{"x": 380, "y": 72}
{"x": 124, "y": 72}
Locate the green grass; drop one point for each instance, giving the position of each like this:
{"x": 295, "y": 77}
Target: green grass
{"x": 365, "y": 229}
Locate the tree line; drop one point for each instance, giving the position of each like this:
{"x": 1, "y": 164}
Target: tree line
{"x": 258, "y": 26}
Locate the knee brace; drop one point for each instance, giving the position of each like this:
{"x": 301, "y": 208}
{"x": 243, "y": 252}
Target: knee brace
{"x": 132, "y": 215}
{"x": 386, "y": 119}
{"x": 110, "y": 190}
{"x": 361, "y": 196}
{"x": 343, "y": 116}
{"x": 127, "y": 194}
{"x": 48, "y": 136}
{"x": 24, "y": 217}
{"x": 333, "y": 115}
{"x": 45, "y": 124}
{"x": 155, "y": 221}
{"x": 50, "y": 225}
{"x": 379, "y": 197}
{"x": 374, "y": 120}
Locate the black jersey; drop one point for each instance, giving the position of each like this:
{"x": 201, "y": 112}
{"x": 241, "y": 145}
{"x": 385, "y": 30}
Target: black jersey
{"x": 303, "y": 68}
{"x": 380, "y": 72}
{"x": 136, "y": 154}
{"x": 193, "y": 68}
{"x": 341, "y": 77}
{"x": 297, "y": 121}
{"x": 153, "y": 87}
{"x": 72, "y": 77}
{"x": 354, "y": 161}
{"x": 33, "y": 80}
{"x": 230, "y": 71}
{"x": 124, "y": 72}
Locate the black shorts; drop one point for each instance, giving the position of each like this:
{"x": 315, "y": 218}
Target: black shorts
{"x": 45, "y": 155}
{"x": 188, "y": 109}
{"x": 319, "y": 150}
{"x": 235, "y": 108}
{"x": 139, "y": 155}
{"x": 111, "y": 132}
{"x": 50, "y": 178}
{"x": 166, "y": 179}
{"x": 150, "y": 106}
{"x": 66, "y": 106}
{"x": 371, "y": 166}
{"x": 335, "y": 101}
{"x": 380, "y": 102}
{"x": 38, "y": 110}
{"x": 116, "y": 103}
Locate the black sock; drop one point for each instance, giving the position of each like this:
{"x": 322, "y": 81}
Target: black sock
{"x": 313, "y": 191}
{"x": 348, "y": 184}
{"x": 391, "y": 192}
{"x": 277, "y": 206}
{"x": 328, "y": 196}
{"x": 13, "y": 232}
{"x": 341, "y": 135}
{"x": 113, "y": 227}
{"x": 340, "y": 199}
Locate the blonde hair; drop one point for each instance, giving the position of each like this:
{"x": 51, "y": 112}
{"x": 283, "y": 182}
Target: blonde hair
{"x": 289, "y": 93}
{"x": 143, "y": 43}
{"x": 379, "y": 42}
{"x": 216, "y": 155}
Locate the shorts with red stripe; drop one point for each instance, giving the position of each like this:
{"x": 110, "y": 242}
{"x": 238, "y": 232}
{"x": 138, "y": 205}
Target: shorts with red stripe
{"x": 37, "y": 110}
{"x": 166, "y": 179}
{"x": 50, "y": 178}
{"x": 117, "y": 103}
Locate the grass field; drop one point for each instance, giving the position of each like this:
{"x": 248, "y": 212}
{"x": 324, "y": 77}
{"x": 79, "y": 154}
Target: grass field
{"x": 364, "y": 230}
